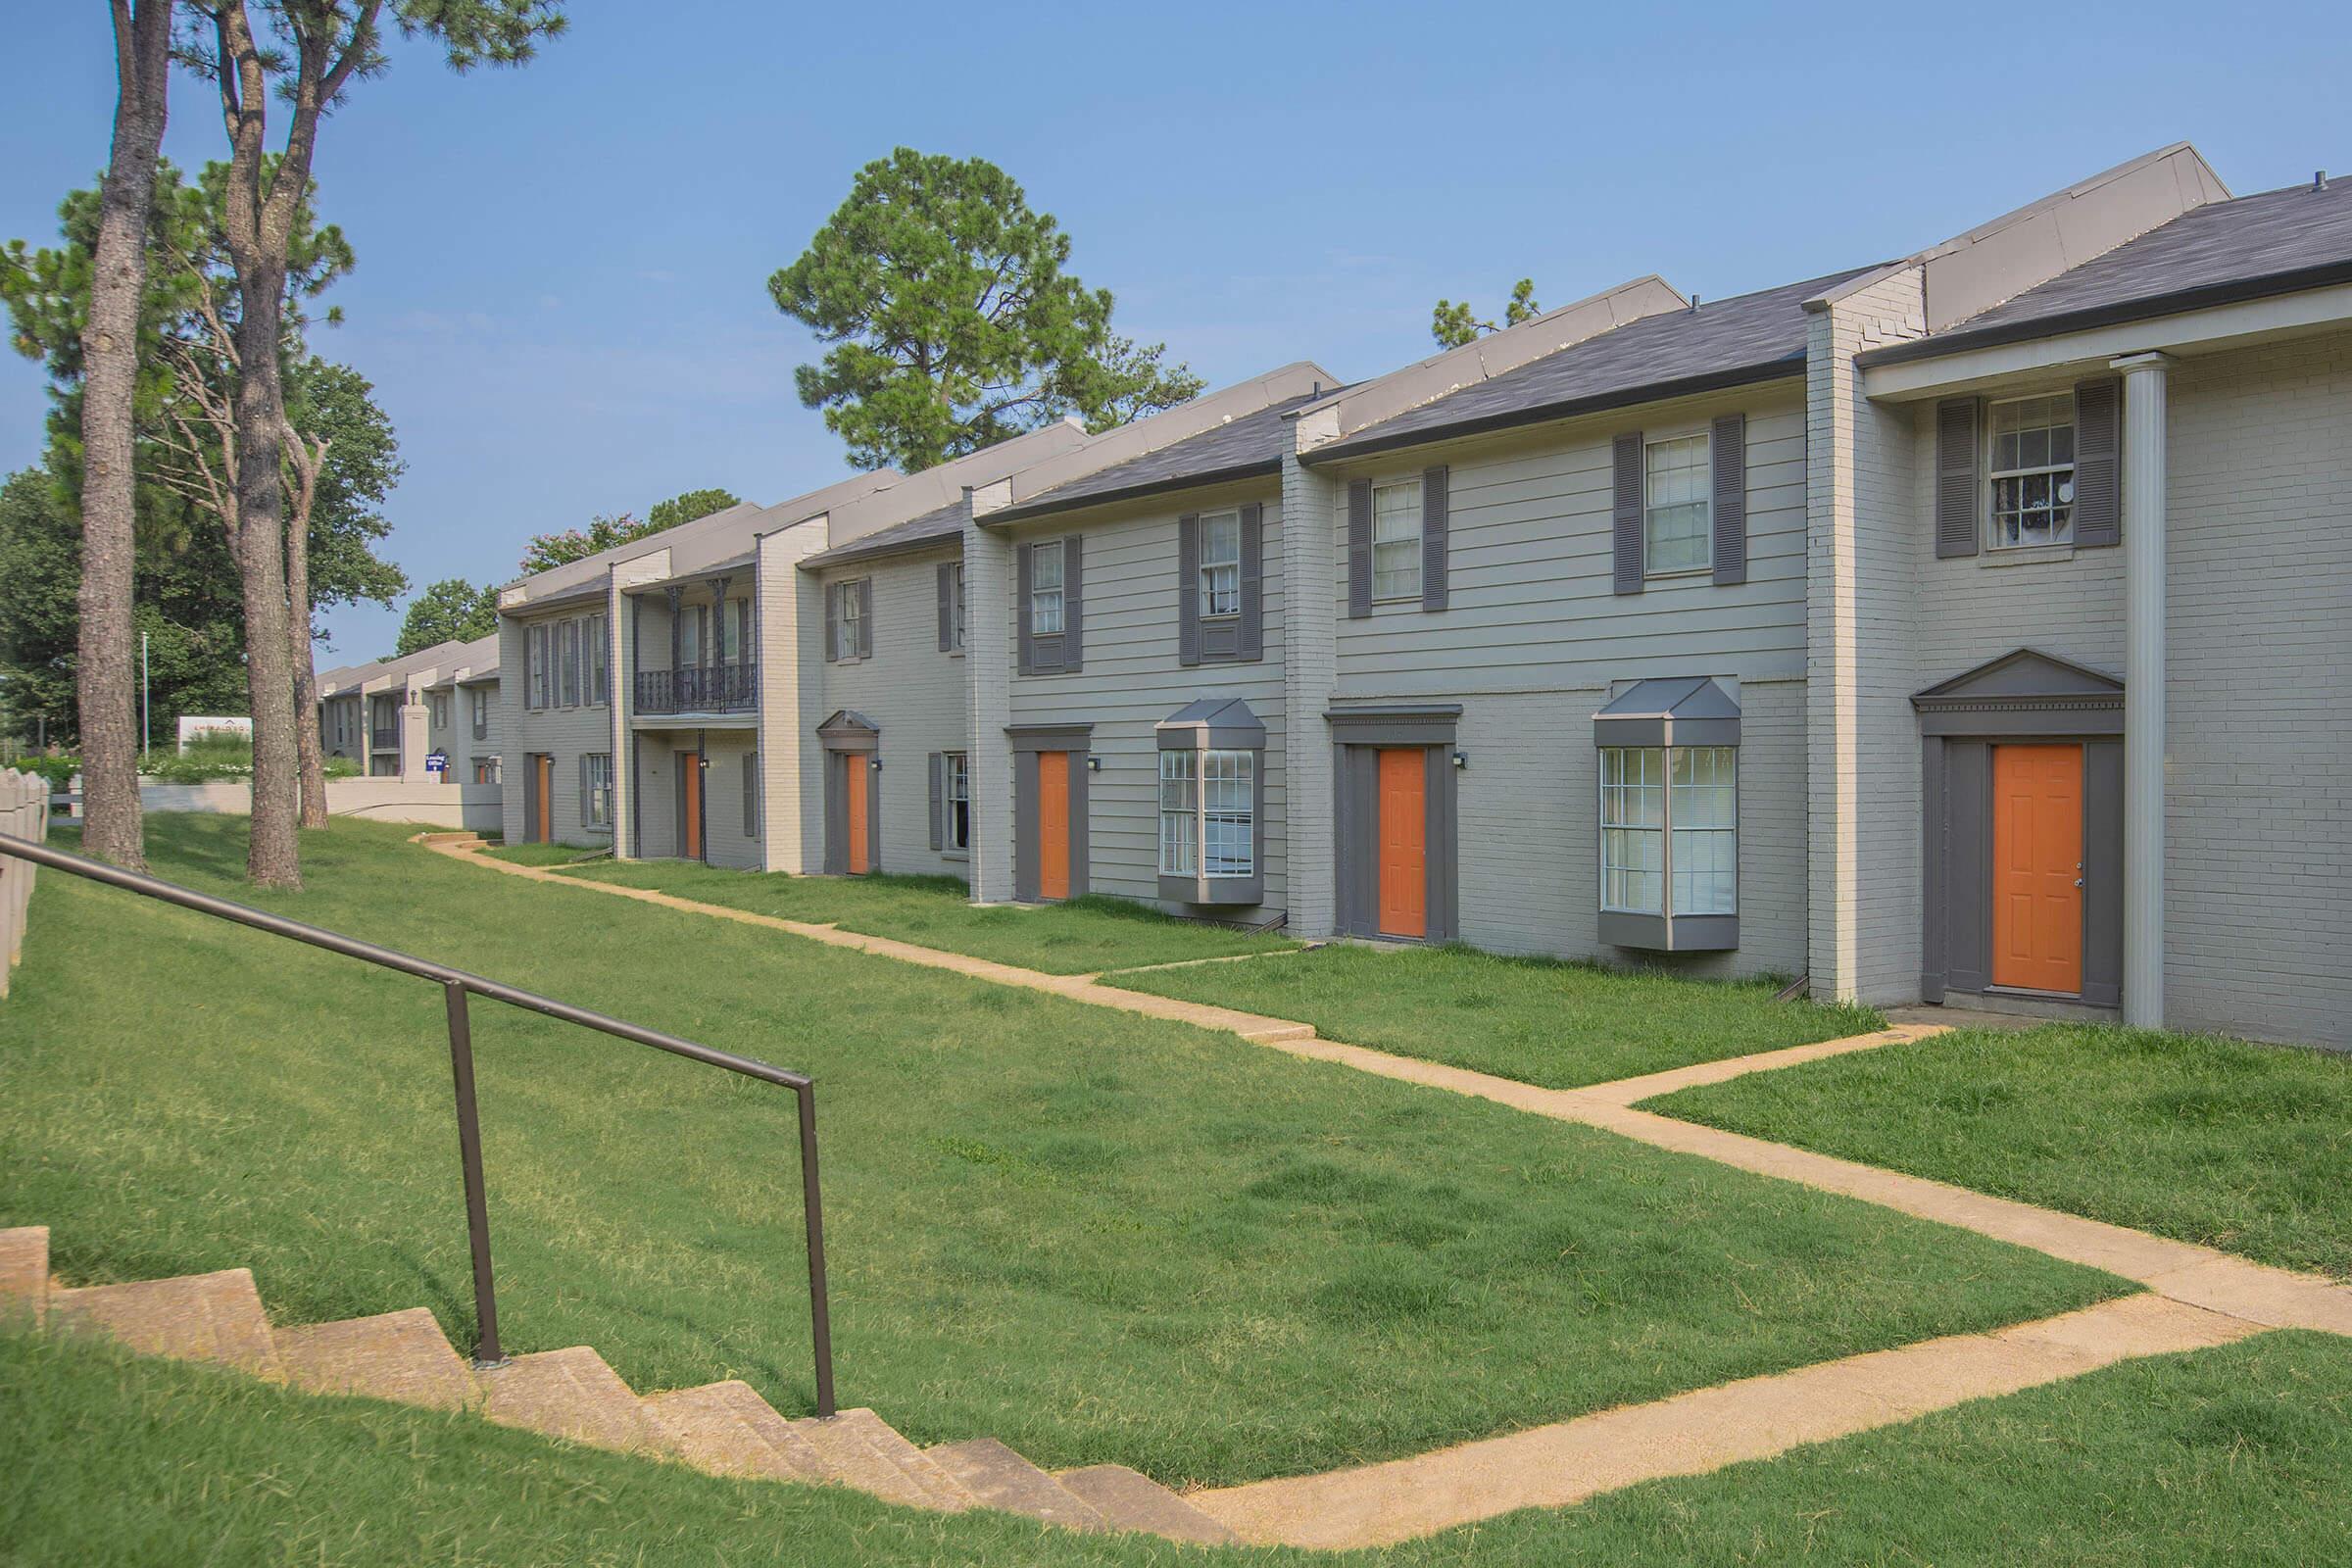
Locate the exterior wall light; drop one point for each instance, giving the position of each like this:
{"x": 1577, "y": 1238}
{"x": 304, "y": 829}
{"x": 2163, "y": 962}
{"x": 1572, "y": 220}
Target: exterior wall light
{"x": 1461, "y": 758}
{"x": 1094, "y": 763}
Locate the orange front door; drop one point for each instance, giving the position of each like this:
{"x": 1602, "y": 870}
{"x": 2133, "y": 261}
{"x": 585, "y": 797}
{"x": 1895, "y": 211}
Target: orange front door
{"x": 1053, "y": 825}
{"x": 690, "y": 806}
{"x": 1404, "y": 848}
{"x": 857, "y": 775}
{"x": 545, "y": 784}
{"x": 2038, "y": 868}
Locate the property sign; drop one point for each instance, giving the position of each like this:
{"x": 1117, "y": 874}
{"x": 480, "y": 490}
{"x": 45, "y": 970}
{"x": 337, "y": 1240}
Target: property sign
{"x": 436, "y": 763}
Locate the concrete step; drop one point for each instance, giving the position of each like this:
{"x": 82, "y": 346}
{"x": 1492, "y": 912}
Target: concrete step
{"x": 195, "y": 1317}
{"x": 569, "y": 1394}
{"x": 24, "y": 1270}
{"x": 727, "y": 1429}
{"x": 1001, "y": 1479}
{"x": 859, "y": 1449}
{"x": 1129, "y": 1500}
{"x": 403, "y": 1356}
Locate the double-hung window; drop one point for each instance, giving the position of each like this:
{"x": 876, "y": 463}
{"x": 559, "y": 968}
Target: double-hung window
{"x": 481, "y": 712}
{"x": 595, "y": 790}
{"x": 955, "y": 583}
{"x": 848, "y": 618}
{"x": 1209, "y": 813}
{"x": 958, "y": 826}
{"x": 2032, "y": 474}
{"x": 1677, "y": 509}
{"x": 1220, "y": 564}
{"x": 598, "y": 653}
{"x": 1045, "y": 588}
{"x": 1397, "y": 540}
{"x": 572, "y": 663}
{"x": 1670, "y": 829}
{"x": 536, "y": 685}
{"x": 438, "y": 703}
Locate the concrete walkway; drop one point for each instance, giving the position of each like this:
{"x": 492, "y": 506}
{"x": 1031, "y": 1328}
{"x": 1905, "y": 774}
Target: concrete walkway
{"x": 2198, "y": 1297}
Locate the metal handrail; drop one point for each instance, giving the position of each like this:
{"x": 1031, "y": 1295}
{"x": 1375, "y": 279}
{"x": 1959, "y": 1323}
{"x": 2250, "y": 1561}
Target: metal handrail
{"x": 457, "y": 985}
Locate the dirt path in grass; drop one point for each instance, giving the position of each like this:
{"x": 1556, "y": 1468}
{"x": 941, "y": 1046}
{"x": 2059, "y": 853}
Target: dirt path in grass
{"x": 2197, "y": 1298}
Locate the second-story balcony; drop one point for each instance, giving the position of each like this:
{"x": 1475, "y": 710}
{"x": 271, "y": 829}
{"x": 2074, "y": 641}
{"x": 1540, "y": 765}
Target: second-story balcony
{"x": 698, "y": 689}
{"x": 386, "y": 739}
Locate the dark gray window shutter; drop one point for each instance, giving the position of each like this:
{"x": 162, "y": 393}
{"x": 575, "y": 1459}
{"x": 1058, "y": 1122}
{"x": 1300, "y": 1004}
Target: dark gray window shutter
{"x": 1360, "y": 549}
{"x": 1626, "y": 511}
{"x": 1188, "y": 588}
{"x": 1024, "y": 633}
{"x": 865, "y": 617}
{"x": 832, "y": 622}
{"x": 1253, "y": 571}
{"x": 1435, "y": 493}
{"x": 1073, "y": 602}
{"x": 751, "y": 795}
{"x": 947, "y": 606}
{"x": 1729, "y": 453}
{"x": 1956, "y": 526}
{"x": 2098, "y": 462}
{"x": 939, "y": 792}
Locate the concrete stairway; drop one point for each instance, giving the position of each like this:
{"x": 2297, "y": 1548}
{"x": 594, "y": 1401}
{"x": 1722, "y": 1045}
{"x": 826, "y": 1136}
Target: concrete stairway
{"x": 721, "y": 1428}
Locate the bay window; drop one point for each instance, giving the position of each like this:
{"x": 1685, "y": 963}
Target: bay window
{"x": 1211, "y": 759}
{"x": 1669, "y": 816}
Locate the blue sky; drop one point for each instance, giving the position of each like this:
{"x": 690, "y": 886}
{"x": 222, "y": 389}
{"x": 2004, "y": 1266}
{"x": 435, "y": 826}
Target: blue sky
{"x": 562, "y": 290}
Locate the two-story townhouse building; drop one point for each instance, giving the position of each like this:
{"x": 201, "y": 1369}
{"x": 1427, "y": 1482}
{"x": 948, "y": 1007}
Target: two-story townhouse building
{"x": 461, "y": 714}
{"x": 382, "y": 715}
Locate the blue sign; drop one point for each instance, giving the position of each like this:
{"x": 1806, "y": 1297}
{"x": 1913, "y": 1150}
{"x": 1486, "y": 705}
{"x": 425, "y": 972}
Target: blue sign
{"x": 436, "y": 761}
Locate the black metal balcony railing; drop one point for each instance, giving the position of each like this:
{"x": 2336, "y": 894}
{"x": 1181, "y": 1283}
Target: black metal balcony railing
{"x": 698, "y": 689}
{"x": 385, "y": 740}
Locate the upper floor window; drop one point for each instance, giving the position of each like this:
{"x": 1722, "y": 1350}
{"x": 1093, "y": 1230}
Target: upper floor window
{"x": 1677, "y": 518}
{"x": 2032, "y": 471}
{"x": 439, "y": 703}
{"x": 481, "y": 708}
{"x": 599, "y": 650}
{"x": 849, "y": 618}
{"x": 1045, "y": 588}
{"x": 1397, "y": 540}
{"x": 1221, "y": 564}
{"x": 535, "y": 685}
{"x": 955, "y": 573}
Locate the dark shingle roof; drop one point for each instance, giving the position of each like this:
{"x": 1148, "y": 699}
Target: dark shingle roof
{"x": 1251, "y": 443}
{"x": 1719, "y": 343}
{"x": 901, "y": 538}
{"x": 2272, "y": 243}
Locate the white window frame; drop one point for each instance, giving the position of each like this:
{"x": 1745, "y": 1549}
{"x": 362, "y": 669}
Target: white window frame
{"x": 596, "y": 652}
{"x": 849, "y": 617}
{"x": 535, "y": 660}
{"x": 2062, "y": 475}
{"x": 1669, "y": 841}
{"x": 480, "y": 714}
{"x": 1187, "y": 817}
{"x": 1407, "y": 544}
{"x": 597, "y": 807}
{"x": 1047, "y": 605}
{"x": 437, "y": 706}
{"x": 1650, "y": 507}
{"x": 1220, "y": 576}
{"x": 956, "y": 832}
{"x": 956, "y": 574}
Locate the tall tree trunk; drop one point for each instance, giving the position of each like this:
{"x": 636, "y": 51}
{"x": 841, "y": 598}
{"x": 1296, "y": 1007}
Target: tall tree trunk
{"x": 114, "y": 827}
{"x": 310, "y": 747}
{"x": 274, "y": 855}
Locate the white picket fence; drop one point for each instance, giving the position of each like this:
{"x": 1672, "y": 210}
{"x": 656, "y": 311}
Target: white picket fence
{"x": 24, "y": 814}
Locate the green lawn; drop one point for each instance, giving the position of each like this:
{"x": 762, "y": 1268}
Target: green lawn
{"x": 1096, "y": 1236}
{"x": 1079, "y": 937}
{"x": 2242, "y": 1147}
{"x": 1537, "y": 1020}
{"x": 2229, "y": 1456}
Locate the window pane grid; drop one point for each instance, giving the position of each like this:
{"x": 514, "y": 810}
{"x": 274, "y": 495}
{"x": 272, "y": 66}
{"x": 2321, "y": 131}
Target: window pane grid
{"x": 1678, "y": 508}
{"x": 1669, "y": 829}
{"x": 1045, "y": 589}
{"x": 1221, "y": 564}
{"x": 1228, "y": 790}
{"x": 1397, "y": 541}
{"x": 960, "y": 800}
{"x": 1177, "y": 841}
{"x": 2032, "y": 471}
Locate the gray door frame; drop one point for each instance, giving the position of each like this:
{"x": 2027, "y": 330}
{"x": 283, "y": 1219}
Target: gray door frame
{"x": 850, "y": 739}
{"x": 1358, "y": 735}
{"x": 1028, "y": 741}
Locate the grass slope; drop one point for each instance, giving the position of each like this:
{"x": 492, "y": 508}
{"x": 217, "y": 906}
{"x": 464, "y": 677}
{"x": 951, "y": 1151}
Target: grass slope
{"x": 1537, "y": 1020}
{"x": 2242, "y": 1147}
{"x": 2229, "y": 1456}
{"x": 1096, "y": 1236}
{"x": 1078, "y": 937}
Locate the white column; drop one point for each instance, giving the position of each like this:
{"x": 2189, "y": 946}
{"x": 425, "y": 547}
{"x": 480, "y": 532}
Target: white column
{"x": 2143, "y": 687}
{"x": 1309, "y": 678}
{"x": 989, "y": 593}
